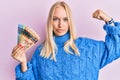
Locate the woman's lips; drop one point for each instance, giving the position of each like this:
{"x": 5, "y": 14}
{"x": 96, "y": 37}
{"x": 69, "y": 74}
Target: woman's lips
{"x": 60, "y": 30}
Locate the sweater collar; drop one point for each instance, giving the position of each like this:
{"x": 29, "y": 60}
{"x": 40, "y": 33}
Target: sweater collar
{"x": 60, "y": 40}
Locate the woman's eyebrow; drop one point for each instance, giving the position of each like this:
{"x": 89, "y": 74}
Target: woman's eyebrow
{"x": 58, "y": 17}
{"x": 66, "y": 17}
{"x": 55, "y": 17}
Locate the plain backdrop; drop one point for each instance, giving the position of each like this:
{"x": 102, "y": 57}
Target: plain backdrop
{"x": 34, "y": 14}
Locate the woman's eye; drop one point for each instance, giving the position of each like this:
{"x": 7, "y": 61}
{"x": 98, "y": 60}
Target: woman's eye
{"x": 65, "y": 19}
{"x": 54, "y": 19}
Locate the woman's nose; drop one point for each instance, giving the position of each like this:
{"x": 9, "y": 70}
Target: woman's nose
{"x": 60, "y": 23}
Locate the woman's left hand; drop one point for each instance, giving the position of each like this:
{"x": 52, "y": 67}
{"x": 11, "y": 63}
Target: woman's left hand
{"x": 99, "y": 14}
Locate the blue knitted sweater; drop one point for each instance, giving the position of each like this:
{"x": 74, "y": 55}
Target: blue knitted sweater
{"x": 94, "y": 55}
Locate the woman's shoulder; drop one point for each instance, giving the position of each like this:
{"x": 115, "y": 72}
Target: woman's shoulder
{"x": 85, "y": 40}
{"x": 39, "y": 47}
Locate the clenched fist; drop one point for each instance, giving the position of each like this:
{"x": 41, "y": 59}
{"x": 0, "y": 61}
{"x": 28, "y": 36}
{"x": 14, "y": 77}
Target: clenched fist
{"x": 99, "y": 14}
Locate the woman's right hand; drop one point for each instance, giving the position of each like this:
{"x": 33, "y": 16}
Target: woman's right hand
{"x": 18, "y": 53}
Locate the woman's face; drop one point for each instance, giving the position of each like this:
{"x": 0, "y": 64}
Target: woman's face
{"x": 60, "y": 21}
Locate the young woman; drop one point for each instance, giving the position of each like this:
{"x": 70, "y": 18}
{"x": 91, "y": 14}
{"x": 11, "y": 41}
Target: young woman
{"x": 62, "y": 56}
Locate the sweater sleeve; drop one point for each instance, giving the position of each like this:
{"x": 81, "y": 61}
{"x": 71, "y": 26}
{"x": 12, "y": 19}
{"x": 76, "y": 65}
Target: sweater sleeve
{"x": 110, "y": 49}
{"x": 28, "y": 75}
{"x": 31, "y": 73}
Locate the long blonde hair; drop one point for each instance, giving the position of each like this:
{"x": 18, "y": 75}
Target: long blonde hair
{"x": 49, "y": 48}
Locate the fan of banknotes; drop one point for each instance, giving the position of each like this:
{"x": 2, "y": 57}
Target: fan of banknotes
{"x": 27, "y": 37}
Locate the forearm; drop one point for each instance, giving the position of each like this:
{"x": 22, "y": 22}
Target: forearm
{"x": 24, "y": 66}
{"x": 112, "y": 40}
{"x": 108, "y": 19}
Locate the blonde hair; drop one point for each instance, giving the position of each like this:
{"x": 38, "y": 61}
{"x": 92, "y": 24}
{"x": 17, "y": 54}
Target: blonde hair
{"x": 49, "y": 48}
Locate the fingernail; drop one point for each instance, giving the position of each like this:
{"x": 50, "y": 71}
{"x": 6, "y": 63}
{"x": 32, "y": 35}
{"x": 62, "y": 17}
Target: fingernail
{"x": 20, "y": 45}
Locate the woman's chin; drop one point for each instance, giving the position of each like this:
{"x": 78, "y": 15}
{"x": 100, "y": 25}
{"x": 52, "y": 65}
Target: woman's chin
{"x": 60, "y": 34}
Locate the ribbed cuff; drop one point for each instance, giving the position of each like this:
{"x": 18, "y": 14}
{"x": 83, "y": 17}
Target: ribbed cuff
{"x": 110, "y": 29}
{"x": 20, "y": 74}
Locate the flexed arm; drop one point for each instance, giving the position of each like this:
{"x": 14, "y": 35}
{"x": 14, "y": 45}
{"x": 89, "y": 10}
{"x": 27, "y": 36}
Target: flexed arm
{"x": 110, "y": 48}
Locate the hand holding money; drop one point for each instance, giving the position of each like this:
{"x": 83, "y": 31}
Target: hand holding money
{"x": 26, "y": 39}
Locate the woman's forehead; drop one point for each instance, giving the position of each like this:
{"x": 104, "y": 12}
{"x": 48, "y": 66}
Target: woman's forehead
{"x": 60, "y": 12}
